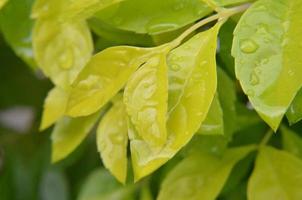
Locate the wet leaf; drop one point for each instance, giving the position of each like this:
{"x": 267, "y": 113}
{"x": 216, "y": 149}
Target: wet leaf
{"x": 112, "y": 140}
{"x": 267, "y": 57}
{"x": 68, "y": 133}
{"x": 145, "y": 97}
{"x": 294, "y": 112}
{"x": 277, "y": 175}
{"x": 191, "y": 89}
{"x": 61, "y": 49}
{"x": 291, "y": 142}
{"x": 54, "y": 107}
{"x": 105, "y": 74}
{"x": 201, "y": 175}
{"x": 18, "y": 36}
{"x": 213, "y": 123}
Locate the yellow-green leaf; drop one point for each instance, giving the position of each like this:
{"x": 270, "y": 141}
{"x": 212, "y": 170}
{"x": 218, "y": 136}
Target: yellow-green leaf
{"x": 112, "y": 140}
{"x": 266, "y": 48}
{"x": 54, "y": 107}
{"x": 69, "y": 133}
{"x": 291, "y": 142}
{"x": 146, "y": 96}
{"x": 277, "y": 175}
{"x": 61, "y": 49}
{"x": 201, "y": 176}
{"x": 105, "y": 74}
{"x": 213, "y": 123}
{"x": 192, "y": 85}
{"x": 294, "y": 112}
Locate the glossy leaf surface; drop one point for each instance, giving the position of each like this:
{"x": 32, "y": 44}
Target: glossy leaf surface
{"x": 69, "y": 133}
{"x": 112, "y": 140}
{"x": 62, "y": 49}
{"x": 201, "y": 176}
{"x": 145, "y": 97}
{"x": 54, "y": 107}
{"x": 213, "y": 123}
{"x": 105, "y": 74}
{"x": 277, "y": 175}
{"x": 192, "y": 85}
{"x": 294, "y": 112}
{"x": 18, "y": 36}
{"x": 291, "y": 142}
{"x": 265, "y": 47}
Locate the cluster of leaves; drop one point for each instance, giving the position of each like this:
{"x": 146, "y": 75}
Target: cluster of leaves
{"x": 166, "y": 91}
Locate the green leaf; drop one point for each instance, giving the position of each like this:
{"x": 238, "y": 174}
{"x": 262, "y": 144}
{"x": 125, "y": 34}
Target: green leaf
{"x": 192, "y": 85}
{"x": 105, "y": 74}
{"x": 18, "y": 36}
{"x": 277, "y": 175}
{"x": 62, "y": 49}
{"x": 145, "y": 97}
{"x": 267, "y": 58}
{"x": 69, "y": 10}
{"x": 100, "y": 185}
{"x": 227, "y": 98}
{"x": 154, "y": 16}
{"x": 68, "y": 133}
{"x": 291, "y": 142}
{"x": 119, "y": 37}
{"x": 112, "y": 140}
{"x": 213, "y": 124}
{"x": 54, "y": 107}
{"x": 294, "y": 112}
{"x": 201, "y": 176}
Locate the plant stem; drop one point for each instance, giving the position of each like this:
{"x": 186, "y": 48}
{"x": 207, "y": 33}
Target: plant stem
{"x": 266, "y": 137}
{"x": 222, "y": 15}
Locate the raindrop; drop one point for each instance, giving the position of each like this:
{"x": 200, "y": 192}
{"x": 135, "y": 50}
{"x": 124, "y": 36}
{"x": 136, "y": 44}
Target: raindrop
{"x": 66, "y": 59}
{"x": 254, "y": 79}
{"x": 175, "y": 67}
{"x": 178, "y": 6}
{"x": 248, "y": 46}
{"x": 250, "y": 93}
{"x": 291, "y": 72}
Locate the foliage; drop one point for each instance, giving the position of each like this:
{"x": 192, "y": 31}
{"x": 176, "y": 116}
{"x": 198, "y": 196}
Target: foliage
{"x": 158, "y": 80}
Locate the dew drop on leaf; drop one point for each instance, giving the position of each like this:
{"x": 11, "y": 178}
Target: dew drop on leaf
{"x": 254, "y": 79}
{"x": 66, "y": 59}
{"x": 175, "y": 67}
{"x": 248, "y": 46}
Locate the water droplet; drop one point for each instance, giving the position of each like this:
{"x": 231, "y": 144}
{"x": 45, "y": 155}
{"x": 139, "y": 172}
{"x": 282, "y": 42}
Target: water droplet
{"x": 248, "y": 46}
{"x": 175, "y": 67}
{"x": 90, "y": 82}
{"x": 291, "y": 72}
{"x": 254, "y": 79}
{"x": 178, "y": 6}
{"x": 250, "y": 92}
{"x": 160, "y": 27}
{"x": 66, "y": 59}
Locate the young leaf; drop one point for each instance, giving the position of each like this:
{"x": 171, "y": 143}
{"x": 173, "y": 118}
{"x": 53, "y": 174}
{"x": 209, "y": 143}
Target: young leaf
{"x": 213, "y": 123}
{"x": 61, "y": 49}
{"x": 291, "y": 142}
{"x": 294, "y": 112}
{"x": 69, "y": 133}
{"x": 112, "y": 140}
{"x": 18, "y": 36}
{"x": 104, "y": 75}
{"x": 277, "y": 175}
{"x": 192, "y": 85}
{"x": 267, "y": 58}
{"x": 54, "y": 107}
{"x": 201, "y": 176}
{"x": 146, "y": 96}
{"x": 100, "y": 185}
